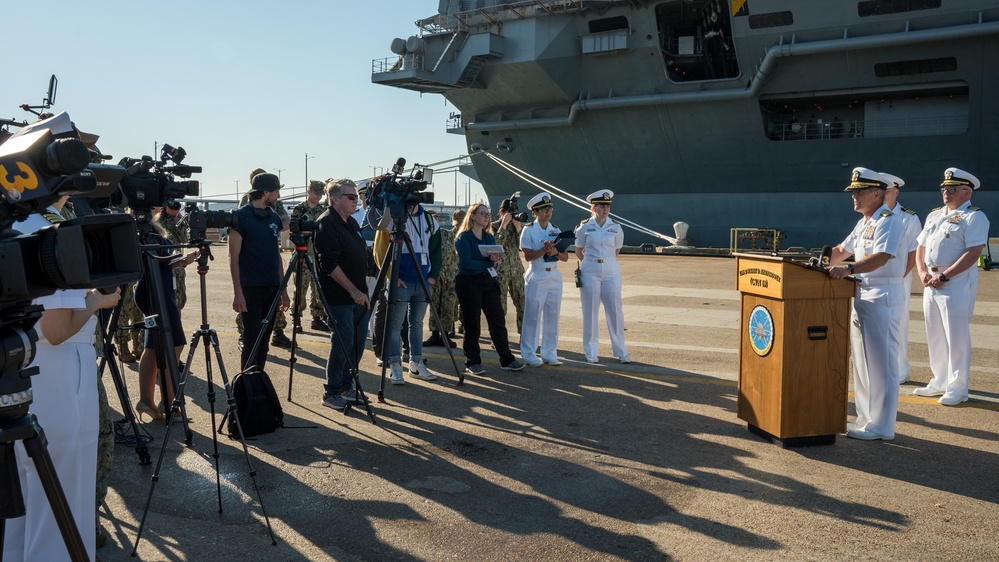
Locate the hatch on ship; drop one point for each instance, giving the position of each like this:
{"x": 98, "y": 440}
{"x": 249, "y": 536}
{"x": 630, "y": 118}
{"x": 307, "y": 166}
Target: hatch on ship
{"x": 695, "y": 37}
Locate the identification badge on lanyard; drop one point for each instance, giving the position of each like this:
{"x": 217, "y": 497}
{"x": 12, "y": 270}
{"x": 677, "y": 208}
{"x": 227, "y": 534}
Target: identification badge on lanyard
{"x": 492, "y": 271}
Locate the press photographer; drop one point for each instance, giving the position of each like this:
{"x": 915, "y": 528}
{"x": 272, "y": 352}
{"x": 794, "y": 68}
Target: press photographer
{"x": 58, "y": 263}
{"x": 511, "y": 270}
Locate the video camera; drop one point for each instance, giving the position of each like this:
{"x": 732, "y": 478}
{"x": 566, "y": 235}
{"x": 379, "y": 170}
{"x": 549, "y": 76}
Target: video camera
{"x": 144, "y": 183}
{"x": 199, "y": 221}
{"x": 397, "y": 193}
{"x": 511, "y": 205}
{"x": 38, "y": 165}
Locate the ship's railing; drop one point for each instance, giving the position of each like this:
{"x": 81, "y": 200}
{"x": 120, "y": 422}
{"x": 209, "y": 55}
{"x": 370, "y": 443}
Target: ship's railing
{"x": 392, "y": 64}
{"x": 501, "y": 12}
{"x": 881, "y": 128}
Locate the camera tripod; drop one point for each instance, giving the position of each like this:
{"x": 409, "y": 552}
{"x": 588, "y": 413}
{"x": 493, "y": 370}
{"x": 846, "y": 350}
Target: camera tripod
{"x": 392, "y": 260}
{"x": 207, "y": 336}
{"x": 107, "y": 323}
{"x": 300, "y": 262}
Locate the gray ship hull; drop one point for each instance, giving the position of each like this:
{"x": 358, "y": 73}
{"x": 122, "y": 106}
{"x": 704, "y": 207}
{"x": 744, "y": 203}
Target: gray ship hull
{"x": 760, "y": 131}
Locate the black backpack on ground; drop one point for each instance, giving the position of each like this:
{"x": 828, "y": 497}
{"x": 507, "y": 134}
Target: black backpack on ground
{"x": 257, "y": 405}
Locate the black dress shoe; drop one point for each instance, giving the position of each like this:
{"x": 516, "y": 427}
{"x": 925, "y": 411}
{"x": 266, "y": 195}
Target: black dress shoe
{"x": 319, "y": 325}
{"x": 280, "y": 340}
{"x": 434, "y": 341}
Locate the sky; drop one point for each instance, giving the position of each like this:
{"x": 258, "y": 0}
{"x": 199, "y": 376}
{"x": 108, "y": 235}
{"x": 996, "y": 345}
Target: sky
{"x": 238, "y": 85}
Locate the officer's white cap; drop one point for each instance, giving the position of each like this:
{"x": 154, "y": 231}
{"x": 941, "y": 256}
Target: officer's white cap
{"x": 893, "y": 180}
{"x": 540, "y": 201}
{"x": 602, "y": 196}
{"x": 864, "y": 178}
{"x": 957, "y": 176}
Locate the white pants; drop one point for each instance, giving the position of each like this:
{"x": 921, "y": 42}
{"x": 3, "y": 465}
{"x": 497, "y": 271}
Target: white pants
{"x": 65, "y": 402}
{"x": 542, "y": 303}
{"x": 602, "y": 284}
{"x": 948, "y": 313}
{"x": 903, "y": 329}
{"x": 874, "y": 342}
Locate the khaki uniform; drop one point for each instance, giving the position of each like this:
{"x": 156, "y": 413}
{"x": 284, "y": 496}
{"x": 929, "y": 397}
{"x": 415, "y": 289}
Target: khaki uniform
{"x": 511, "y": 270}
{"x": 315, "y": 305}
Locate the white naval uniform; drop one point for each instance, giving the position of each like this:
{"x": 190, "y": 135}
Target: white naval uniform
{"x": 65, "y": 403}
{"x": 907, "y": 244}
{"x": 601, "y": 277}
{"x": 875, "y": 321}
{"x": 948, "y": 310}
{"x": 542, "y": 296}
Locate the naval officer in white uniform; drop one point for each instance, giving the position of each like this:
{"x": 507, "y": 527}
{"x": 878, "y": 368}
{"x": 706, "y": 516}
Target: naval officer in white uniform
{"x": 874, "y": 243}
{"x": 598, "y": 242}
{"x": 542, "y": 284}
{"x": 949, "y": 247}
{"x": 908, "y": 248}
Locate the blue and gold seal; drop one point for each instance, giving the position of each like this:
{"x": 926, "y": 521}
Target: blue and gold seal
{"x": 761, "y": 330}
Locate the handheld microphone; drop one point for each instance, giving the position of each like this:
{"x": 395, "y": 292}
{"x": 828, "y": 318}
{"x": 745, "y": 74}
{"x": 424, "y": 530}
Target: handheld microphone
{"x": 825, "y": 257}
{"x": 400, "y": 165}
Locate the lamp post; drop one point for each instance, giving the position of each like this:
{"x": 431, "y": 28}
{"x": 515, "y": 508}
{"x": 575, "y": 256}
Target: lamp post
{"x": 307, "y": 158}
{"x": 279, "y": 170}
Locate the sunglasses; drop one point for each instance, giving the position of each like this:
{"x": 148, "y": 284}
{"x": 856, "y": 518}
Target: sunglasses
{"x": 351, "y": 196}
{"x": 483, "y": 213}
{"x": 953, "y": 189}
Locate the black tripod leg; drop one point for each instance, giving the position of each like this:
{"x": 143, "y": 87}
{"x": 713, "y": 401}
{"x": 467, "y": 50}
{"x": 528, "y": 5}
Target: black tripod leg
{"x": 231, "y": 401}
{"x": 390, "y": 261}
{"x": 108, "y": 358}
{"x": 430, "y": 305}
{"x": 296, "y": 313}
{"x": 39, "y": 454}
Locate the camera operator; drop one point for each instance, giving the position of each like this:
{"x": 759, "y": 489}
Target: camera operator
{"x": 543, "y": 284}
{"x": 168, "y": 218}
{"x": 511, "y": 269}
{"x": 342, "y": 265}
{"x": 278, "y": 338}
{"x": 311, "y": 209}
{"x": 255, "y": 264}
{"x": 410, "y": 300}
{"x": 66, "y": 405}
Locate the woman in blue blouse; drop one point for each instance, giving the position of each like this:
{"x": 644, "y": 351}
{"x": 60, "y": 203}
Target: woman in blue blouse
{"x": 479, "y": 291}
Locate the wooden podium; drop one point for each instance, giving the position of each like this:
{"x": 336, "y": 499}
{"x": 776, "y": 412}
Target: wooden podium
{"x": 793, "y": 350}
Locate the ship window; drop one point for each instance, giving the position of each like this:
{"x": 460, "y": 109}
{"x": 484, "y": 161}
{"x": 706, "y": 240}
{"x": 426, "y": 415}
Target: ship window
{"x": 907, "y": 67}
{"x": 884, "y": 7}
{"x": 608, "y": 24}
{"x": 773, "y": 19}
{"x": 695, "y": 37}
{"x": 929, "y": 111}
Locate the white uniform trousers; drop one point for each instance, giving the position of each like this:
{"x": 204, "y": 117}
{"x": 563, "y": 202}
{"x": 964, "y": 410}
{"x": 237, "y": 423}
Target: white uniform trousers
{"x": 874, "y": 341}
{"x": 65, "y": 402}
{"x": 948, "y": 313}
{"x": 542, "y": 303}
{"x": 903, "y": 329}
{"x": 602, "y": 284}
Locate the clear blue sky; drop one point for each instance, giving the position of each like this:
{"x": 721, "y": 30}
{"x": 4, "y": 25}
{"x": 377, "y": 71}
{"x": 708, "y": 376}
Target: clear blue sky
{"x": 237, "y": 84}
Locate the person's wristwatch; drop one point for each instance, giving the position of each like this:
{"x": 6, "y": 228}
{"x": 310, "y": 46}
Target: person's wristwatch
{"x": 850, "y": 267}
{"x": 944, "y": 278}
